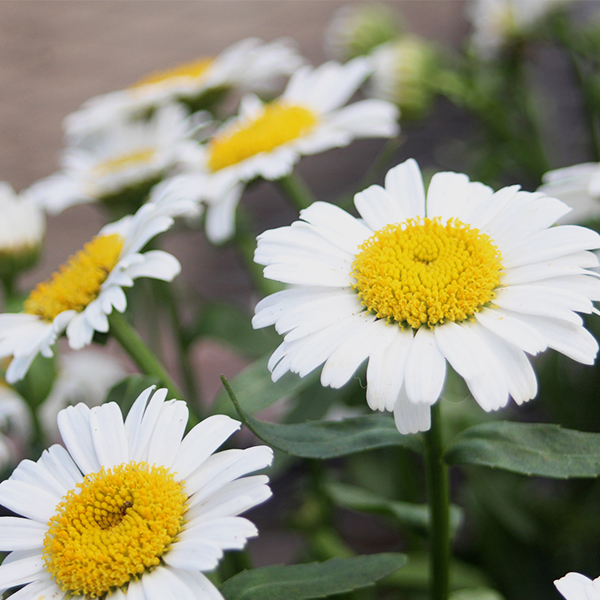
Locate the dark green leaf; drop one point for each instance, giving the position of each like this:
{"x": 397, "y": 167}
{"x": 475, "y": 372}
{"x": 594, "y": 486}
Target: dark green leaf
{"x": 407, "y": 513}
{"x": 314, "y": 580}
{"x": 529, "y": 449}
{"x": 256, "y": 391}
{"x": 328, "y": 439}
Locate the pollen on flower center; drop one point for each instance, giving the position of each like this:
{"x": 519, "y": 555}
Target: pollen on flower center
{"x": 423, "y": 273}
{"x": 125, "y": 161}
{"x": 192, "y": 70}
{"x": 115, "y": 526}
{"x": 76, "y": 283}
{"x": 278, "y": 124}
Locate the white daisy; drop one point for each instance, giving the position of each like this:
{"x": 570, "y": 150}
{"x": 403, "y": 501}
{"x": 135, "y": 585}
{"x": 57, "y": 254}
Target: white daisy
{"x": 129, "y": 509}
{"x": 22, "y": 229}
{"x": 574, "y": 586}
{"x": 121, "y": 168}
{"x": 250, "y": 64}
{"x": 465, "y": 276}
{"x": 579, "y": 187}
{"x": 85, "y": 290}
{"x": 266, "y": 140}
{"x": 85, "y": 376}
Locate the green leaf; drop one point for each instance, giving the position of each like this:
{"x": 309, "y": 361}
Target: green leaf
{"x": 406, "y": 513}
{"x": 530, "y": 449}
{"x": 328, "y": 439}
{"x": 314, "y": 580}
{"x": 256, "y": 391}
{"x": 126, "y": 392}
{"x": 232, "y": 326}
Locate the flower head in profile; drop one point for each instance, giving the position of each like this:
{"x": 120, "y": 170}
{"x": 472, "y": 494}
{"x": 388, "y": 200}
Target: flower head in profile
{"x": 130, "y": 507}
{"x": 78, "y": 297}
{"x": 22, "y": 229}
{"x": 461, "y": 275}
{"x": 267, "y": 139}
{"x": 579, "y": 187}
{"x": 119, "y": 169}
{"x": 250, "y": 65}
{"x": 574, "y": 586}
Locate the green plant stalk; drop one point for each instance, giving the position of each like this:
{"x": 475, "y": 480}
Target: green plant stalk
{"x": 296, "y": 190}
{"x": 145, "y": 359}
{"x": 436, "y": 473}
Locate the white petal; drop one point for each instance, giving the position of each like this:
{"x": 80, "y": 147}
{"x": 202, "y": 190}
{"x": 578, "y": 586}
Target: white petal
{"x": 405, "y": 185}
{"x": 446, "y": 195}
{"x": 42, "y": 588}
{"x": 425, "y": 368}
{"x": 157, "y": 264}
{"x": 108, "y": 435}
{"x": 28, "y": 500}
{"x": 21, "y": 534}
{"x": 60, "y": 464}
{"x": 139, "y": 432}
{"x": 377, "y": 207}
{"x": 201, "y": 442}
{"x": 574, "y": 586}
{"x": 162, "y": 583}
{"x": 166, "y": 438}
{"x": 220, "y": 215}
{"x": 21, "y": 566}
{"x": 411, "y": 417}
{"x": 74, "y": 427}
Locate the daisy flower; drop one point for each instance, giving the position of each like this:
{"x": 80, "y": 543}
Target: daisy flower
{"x": 22, "y": 229}
{"x": 574, "y": 586}
{"x": 129, "y": 509}
{"x": 579, "y": 187}
{"x": 79, "y": 296}
{"x": 250, "y": 64}
{"x": 463, "y": 276}
{"x": 267, "y": 139}
{"x": 119, "y": 170}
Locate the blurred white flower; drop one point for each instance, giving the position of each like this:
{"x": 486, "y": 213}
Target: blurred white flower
{"x": 249, "y": 65}
{"x": 130, "y": 159}
{"x": 497, "y": 21}
{"x": 267, "y": 139}
{"x": 356, "y": 29}
{"x": 15, "y": 425}
{"x": 85, "y": 376}
{"x": 579, "y": 187}
{"x": 22, "y": 229}
{"x": 574, "y": 586}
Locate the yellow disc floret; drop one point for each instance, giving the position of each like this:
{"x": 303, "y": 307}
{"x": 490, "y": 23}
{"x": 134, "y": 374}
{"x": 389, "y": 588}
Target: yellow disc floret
{"x": 78, "y": 281}
{"x": 276, "y": 125}
{"x": 115, "y": 526}
{"x": 195, "y": 69}
{"x": 424, "y": 273}
{"x": 131, "y": 160}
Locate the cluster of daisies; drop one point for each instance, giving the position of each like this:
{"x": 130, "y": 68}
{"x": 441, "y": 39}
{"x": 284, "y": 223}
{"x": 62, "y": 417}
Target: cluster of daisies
{"x": 421, "y": 279}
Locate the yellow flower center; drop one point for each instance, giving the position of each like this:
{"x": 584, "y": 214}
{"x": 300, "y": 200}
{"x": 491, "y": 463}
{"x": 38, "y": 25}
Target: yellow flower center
{"x": 124, "y": 162}
{"x": 278, "y": 124}
{"x": 115, "y": 526}
{"x": 192, "y": 70}
{"x": 423, "y": 273}
{"x": 78, "y": 281}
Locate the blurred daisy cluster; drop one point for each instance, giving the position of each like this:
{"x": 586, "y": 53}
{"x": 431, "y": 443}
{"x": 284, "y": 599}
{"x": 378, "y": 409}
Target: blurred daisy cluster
{"x": 460, "y": 283}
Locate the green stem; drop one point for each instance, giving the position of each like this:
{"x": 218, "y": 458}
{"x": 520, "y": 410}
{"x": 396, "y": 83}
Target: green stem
{"x": 439, "y": 503}
{"x": 145, "y": 359}
{"x": 296, "y": 190}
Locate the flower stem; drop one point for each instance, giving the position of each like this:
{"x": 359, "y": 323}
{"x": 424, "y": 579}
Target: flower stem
{"x": 296, "y": 190}
{"x": 438, "y": 499}
{"x": 145, "y": 359}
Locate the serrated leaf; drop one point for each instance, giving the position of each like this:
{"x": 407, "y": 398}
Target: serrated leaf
{"x": 406, "y": 513}
{"x": 314, "y": 580}
{"x": 256, "y": 391}
{"x": 327, "y": 439}
{"x": 529, "y": 449}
